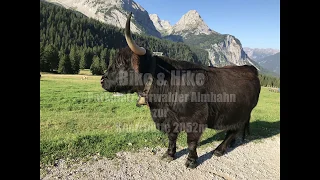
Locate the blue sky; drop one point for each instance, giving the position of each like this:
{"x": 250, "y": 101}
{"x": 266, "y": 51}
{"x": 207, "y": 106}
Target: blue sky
{"x": 256, "y": 23}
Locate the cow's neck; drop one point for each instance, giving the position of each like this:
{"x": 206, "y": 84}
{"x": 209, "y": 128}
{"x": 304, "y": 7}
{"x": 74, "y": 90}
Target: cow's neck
{"x": 142, "y": 95}
{"x": 162, "y": 74}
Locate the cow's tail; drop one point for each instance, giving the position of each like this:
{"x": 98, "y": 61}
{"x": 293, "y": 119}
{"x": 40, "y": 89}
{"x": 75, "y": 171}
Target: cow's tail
{"x": 246, "y": 128}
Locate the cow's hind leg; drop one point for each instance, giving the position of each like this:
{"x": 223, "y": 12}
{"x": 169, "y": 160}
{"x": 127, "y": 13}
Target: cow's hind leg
{"x": 169, "y": 154}
{"x": 246, "y": 128}
{"x": 222, "y": 148}
{"x": 192, "y": 140}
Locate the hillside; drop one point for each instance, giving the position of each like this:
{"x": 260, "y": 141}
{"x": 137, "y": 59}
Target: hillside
{"x": 62, "y": 30}
{"x": 271, "y": 63}
{"x": 114, "y": 12}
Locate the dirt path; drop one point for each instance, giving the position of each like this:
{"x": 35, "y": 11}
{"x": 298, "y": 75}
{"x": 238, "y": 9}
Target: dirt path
{"x": 253, "y": 160}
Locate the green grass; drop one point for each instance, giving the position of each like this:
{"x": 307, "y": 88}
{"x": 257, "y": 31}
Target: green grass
{"x": 78, "y": 118}
{"x": 85, "y": 72}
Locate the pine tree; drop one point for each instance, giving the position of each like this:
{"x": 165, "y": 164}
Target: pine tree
{"x": 103, "y": 59}
{"x": 83, "y": 59}
{"x": 111, "y": 56}
{"x": 51, "y": 58}
{"x": 61, "y": 53}
{"x": 95, "y": 67}
{"x": 65, "y": 65}
{"x": 74, "y": 59}
{"x": 103, "y": 54}
{"x": 89, "y": 57}
{"x": 103, "y": 65}
{"x": 42, "y": 59}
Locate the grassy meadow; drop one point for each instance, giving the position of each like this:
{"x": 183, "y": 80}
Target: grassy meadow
{"x": 78, "y": 119}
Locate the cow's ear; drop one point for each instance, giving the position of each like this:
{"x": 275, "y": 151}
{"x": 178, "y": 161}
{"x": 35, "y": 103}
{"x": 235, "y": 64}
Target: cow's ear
{"x": 135, "y": 62}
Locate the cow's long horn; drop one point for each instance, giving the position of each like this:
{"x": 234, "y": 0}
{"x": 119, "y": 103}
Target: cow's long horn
{"x": 133, "y": 46}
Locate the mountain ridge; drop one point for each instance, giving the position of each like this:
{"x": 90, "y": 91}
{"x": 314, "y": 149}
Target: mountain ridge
{"x": 114, "y": 12}
{"x": 223, "y": 49}
{"x": 259, "y": 53}
{"x": 271, "y": 63}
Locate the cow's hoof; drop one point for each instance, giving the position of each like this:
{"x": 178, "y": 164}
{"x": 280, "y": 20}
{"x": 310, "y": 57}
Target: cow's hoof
{"x": 191, "y": 164}
{"x": 166, "y": 157}
{"x": 218, "y": 153}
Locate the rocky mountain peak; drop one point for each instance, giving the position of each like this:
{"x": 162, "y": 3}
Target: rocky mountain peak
{"x": 191, "y": 22}
{"x": 191, "y": 17}
{"x": 164, "y": 27}
{"x": 154, "y": 17}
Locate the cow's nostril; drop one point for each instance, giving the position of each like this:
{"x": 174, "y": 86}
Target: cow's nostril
{"x": 101, "y": 81}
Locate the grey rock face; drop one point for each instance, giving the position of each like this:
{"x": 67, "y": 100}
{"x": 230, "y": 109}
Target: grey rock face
{"x": 225, "y": 51}
{"x": 164, "y": 27}
{"x": 114, "y": 12}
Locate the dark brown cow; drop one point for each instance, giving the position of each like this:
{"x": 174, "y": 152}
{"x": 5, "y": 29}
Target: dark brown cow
{"x": 217, "y": 98}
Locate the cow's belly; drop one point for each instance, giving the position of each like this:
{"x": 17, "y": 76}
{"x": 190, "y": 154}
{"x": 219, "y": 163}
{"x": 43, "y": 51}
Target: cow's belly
{"x": 180, "y": 114}
{"x": 228, "y": 120}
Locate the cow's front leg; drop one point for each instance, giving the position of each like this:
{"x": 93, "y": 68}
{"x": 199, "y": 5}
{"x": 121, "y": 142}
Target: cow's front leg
{"x": 169, "y": 154}
{"x": 192, "y": 139}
